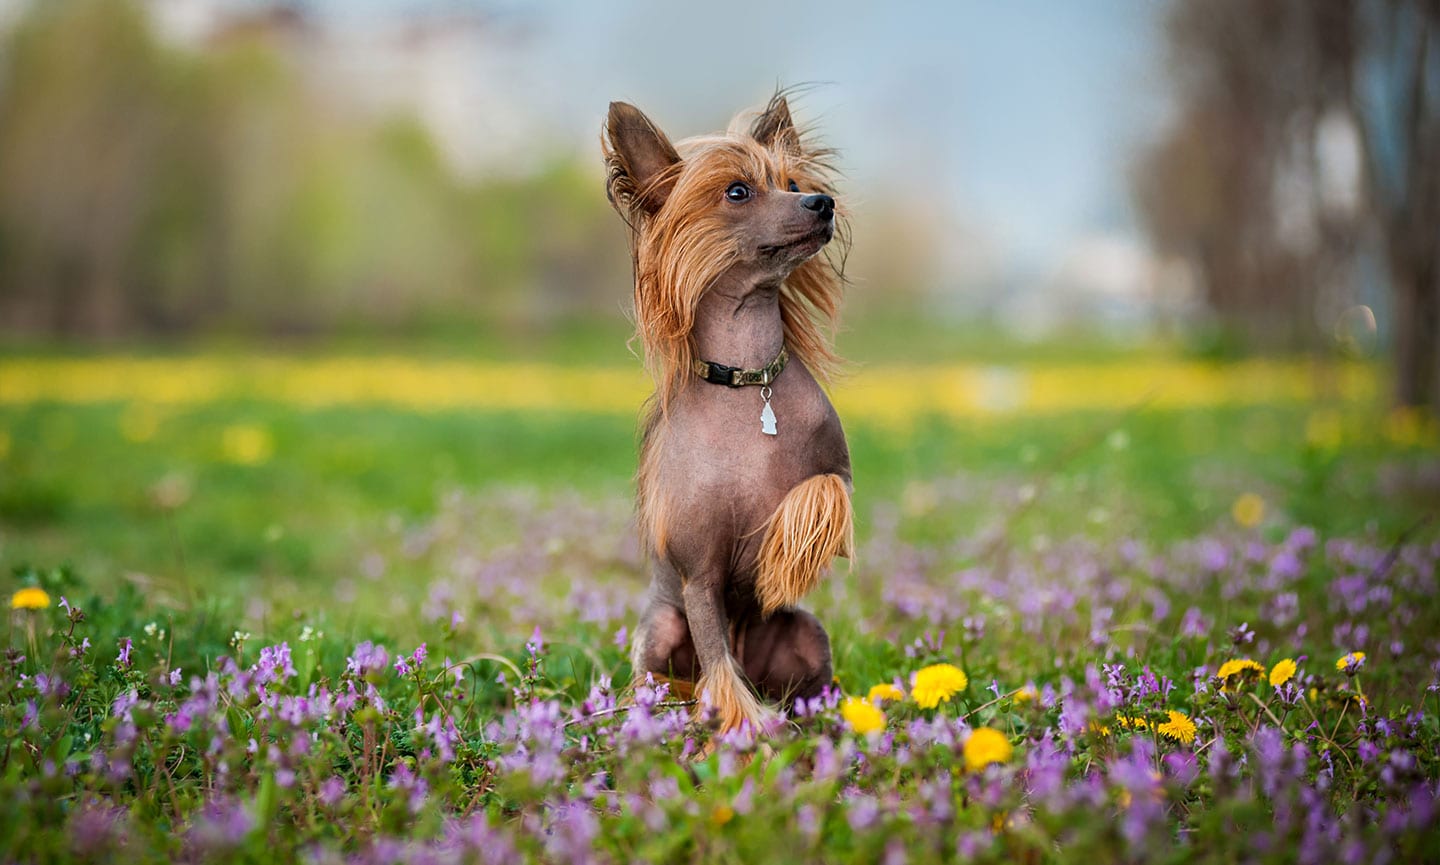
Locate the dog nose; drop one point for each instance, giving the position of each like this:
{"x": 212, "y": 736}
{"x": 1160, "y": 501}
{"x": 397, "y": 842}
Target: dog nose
{"x": 823, "y": 205}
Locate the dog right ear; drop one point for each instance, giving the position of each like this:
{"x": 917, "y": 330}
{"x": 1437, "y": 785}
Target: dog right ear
{"x": 775, "y": 128}
{"x": 638, "y": 159}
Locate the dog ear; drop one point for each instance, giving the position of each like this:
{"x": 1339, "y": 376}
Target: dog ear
{"x": 774, "y": 127}
{"x": 638, "y": 157}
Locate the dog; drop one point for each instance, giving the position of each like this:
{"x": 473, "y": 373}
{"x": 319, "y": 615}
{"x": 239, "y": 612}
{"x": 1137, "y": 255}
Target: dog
{"x": 744, "y": 482}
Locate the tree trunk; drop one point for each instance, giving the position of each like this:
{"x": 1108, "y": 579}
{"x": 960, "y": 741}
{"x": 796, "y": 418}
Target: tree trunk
{"x": 1417, "y": 337}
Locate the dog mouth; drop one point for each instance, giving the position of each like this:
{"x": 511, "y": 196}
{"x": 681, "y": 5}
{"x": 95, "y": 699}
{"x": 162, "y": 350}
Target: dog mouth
{"x": 818, "y": 238}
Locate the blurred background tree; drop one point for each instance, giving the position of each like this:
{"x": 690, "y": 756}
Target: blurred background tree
{"x": 1395, "y": 93}
{"x": 1302, "y": 160}
{"x": 150, "y": 190}
{"x": 246, "y": 179}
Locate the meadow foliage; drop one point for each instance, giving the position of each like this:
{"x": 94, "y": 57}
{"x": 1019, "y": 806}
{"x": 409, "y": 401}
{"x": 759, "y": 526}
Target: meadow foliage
{"x": 1088, "y": 701}
{"x": 1032, "y": 664}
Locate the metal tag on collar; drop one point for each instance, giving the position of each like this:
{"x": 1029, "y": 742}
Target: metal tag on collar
{"x": 767, "y": 414}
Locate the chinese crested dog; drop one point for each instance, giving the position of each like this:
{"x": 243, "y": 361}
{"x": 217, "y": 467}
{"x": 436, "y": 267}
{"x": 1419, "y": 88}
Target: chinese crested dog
{"x": 744, "y": 477}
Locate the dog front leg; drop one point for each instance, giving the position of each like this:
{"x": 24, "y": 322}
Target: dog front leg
{"x": 663, "y": 649}
{"x": 720, "y": 675}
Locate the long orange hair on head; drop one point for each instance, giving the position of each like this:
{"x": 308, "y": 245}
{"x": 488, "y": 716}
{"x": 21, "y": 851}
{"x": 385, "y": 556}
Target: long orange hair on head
{"x": 680, "y": 247}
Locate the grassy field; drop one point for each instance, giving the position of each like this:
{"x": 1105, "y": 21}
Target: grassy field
{"x": 261, "y": 542}
{"x": 281, "y": 468}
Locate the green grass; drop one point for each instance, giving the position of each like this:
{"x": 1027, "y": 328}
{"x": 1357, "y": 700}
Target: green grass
{"x": 1045, "y": 550}
{"x": 74, "y": 490}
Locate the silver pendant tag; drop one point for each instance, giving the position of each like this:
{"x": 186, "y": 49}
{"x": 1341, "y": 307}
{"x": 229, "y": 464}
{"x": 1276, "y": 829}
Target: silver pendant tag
{"x": 767, "y": 415}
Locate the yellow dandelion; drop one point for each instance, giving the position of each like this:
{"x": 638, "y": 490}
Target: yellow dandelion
{"x": 30, "y": 598}
{"x": 1237, "y": 668}
{"x": 1132, "y": 722}
{"x": 1026, "y": 694}
{"x": 884, "y": 691}
{"x": 1238, "y": 665}
{"x": 721, "y": 815}
{"x": 986, "y": 745}
{"x": 1349, "y": 663}
{"x": 1179, "y": 727}
{"x": 247, "y": 444}
{"x": 1099, "y": 729}
{"x": 1282, "y": 672}
{"x": 863, "y": 717}
{"x": 937, "y": 683}
{"x": 1248, "y": 510}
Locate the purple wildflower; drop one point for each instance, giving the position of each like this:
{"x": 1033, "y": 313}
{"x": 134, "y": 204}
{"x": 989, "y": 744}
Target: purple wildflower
{"x": 1194, "y": 623}
{"x": 367, "y": 659}
{"x": 223, "y": 825}
{"x": 414, "y": 787}
{"x": 273, "y": 665}
{"x": 332, "y": 789}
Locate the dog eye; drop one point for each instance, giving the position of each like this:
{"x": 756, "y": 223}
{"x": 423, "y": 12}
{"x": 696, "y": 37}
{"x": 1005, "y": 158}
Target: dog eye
{"x": 738, "y": 192}
{"x": 794, "y": 187}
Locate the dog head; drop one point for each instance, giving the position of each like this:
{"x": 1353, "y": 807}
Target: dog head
{"x": 755, "y": 202}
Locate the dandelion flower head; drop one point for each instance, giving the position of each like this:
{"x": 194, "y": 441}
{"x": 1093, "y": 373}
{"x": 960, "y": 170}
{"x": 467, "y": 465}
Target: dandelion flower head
{"x": 1179, "y": 727}
{"x": 937, "y": 683}
{"x": 1237, "y": 668}
{"x": 884, "y": 691}
{"x": 1350, "y": 662}
{"x": 247, "y": 444}
{"x": 1248, "y": 510}
{"x": 985, "y": 746}
{"x": 1238, "y": 665}
{"x": 1282, "y": 672}
{"x": 862, "y": 716}
{"x": 30, "y": 598}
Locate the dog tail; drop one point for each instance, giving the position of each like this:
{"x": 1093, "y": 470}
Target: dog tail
{"x": 813, "y": 524}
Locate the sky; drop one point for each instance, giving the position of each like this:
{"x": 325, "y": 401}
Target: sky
{"x": 1022, "y": 114}
{"x": 1017, "y": 117}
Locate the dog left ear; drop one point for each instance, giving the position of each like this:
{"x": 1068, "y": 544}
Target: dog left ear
{"x": 638, "y": 158}
{"x": 775, "y": 128}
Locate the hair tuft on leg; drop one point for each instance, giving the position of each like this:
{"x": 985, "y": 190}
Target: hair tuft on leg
{"x": 813, "y": 524}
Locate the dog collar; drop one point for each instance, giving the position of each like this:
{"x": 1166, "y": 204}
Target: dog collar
{"x": 734, "y": 376}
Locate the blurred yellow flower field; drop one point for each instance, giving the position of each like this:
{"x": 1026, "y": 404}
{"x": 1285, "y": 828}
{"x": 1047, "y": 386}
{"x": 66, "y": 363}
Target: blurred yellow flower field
{"x": 889, "y": 394}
